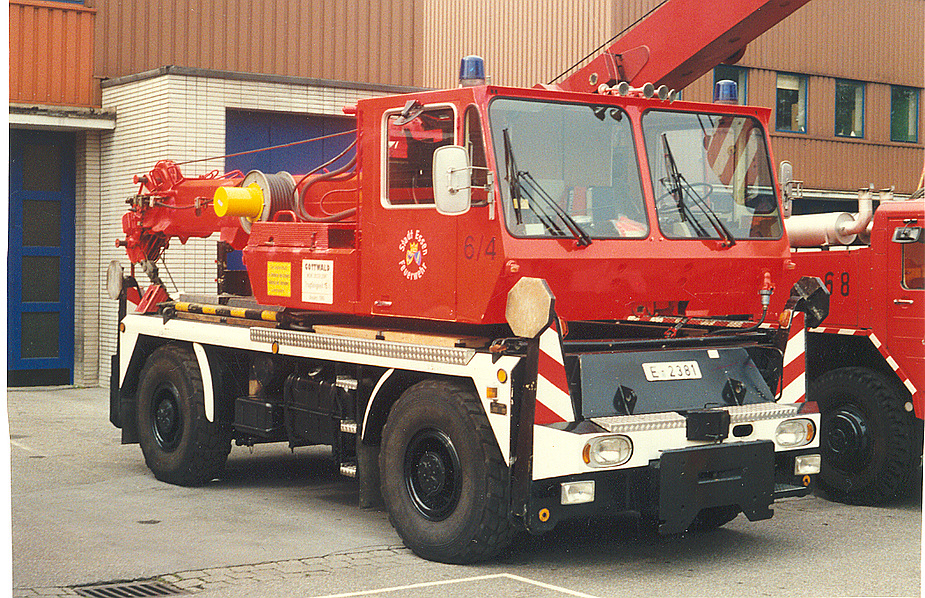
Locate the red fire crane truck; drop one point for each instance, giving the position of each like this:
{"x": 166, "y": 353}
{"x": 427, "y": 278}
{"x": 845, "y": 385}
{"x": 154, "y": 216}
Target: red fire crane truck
{"x": 513, "y": 307}
{"x": 866, "y": 365}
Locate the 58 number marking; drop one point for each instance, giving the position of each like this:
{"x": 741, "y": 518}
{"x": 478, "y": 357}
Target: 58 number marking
{"x": 473, "y": 250}
{"x": 843, "y": 282}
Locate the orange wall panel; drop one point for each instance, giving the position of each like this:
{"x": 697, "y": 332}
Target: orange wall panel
{"x": 51, "y": 54}
{"x": 345, "y": 40}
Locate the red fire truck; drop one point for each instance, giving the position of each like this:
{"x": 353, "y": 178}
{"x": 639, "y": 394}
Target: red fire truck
{"x": 866, "y": 365}
{"x": 511, "y": 308}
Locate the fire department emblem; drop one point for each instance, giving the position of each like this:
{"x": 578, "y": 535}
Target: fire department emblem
{"x": 413, "y": 249}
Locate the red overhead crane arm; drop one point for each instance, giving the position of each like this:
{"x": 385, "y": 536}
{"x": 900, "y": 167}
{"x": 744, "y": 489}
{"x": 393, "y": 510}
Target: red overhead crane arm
{"x": 681, "y": 41}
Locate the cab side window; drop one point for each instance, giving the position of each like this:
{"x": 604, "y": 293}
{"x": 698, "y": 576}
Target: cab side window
{"x": 412, "y": 140}
{"x": 475, "y": 146}
{"x": 914, "y": 265}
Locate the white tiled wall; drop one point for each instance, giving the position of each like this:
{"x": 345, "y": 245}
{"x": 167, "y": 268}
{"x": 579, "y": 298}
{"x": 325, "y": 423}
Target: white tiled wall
{"x": 87, "y": 275}
{"x": 178, "y": 117}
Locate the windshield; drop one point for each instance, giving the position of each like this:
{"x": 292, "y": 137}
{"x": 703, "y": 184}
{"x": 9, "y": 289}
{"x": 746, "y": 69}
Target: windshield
{"x": 711, "y": 176}
{"x": 568, "y": 170}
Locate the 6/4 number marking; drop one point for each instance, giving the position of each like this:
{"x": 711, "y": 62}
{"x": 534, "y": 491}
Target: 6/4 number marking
{"x": 473, "y": 250}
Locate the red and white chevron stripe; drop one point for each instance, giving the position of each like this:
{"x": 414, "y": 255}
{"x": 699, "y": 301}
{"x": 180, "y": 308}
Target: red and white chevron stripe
{"x": 903, "y": 377}
{"x": 553, "y": 402}
{"x": 733, "y": 151}
{"x": 699, "y": 321}
{"x": 793, "y": 382}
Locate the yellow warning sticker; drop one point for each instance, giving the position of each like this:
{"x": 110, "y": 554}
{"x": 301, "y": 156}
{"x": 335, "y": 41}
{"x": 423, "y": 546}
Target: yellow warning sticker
{"x": 279, "y": 279}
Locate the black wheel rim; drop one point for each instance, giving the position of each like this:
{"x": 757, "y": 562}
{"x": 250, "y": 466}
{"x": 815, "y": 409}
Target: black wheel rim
{"x": 166, "y": 417}
{"x": 432, "y": 474}
{"x": 846, "y": 438}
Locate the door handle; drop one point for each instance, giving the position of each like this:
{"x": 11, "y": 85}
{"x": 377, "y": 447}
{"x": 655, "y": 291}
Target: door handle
{"x": 903, "y": 301}
{"x": 383, "y": 303}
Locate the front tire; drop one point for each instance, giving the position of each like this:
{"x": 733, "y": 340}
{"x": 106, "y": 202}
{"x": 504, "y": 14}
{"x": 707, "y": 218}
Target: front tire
{"x": 179, "y": 444}
{"x": 866, "y": 436}
{"x": 444, "y": 481}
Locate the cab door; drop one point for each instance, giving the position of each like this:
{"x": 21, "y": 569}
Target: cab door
{"x": 906, "y": 298}
{"x": 412, "y": 269}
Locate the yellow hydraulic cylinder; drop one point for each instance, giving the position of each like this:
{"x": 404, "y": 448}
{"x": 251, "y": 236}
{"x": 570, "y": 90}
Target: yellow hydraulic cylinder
{"x": 239, "y": 201}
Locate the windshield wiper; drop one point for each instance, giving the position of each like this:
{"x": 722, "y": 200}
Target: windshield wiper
{"x": 679, "y": 183}
{"x": 539, "y": 197}
{"x": 581, "y": 237}
{"x": 512, "y": 177}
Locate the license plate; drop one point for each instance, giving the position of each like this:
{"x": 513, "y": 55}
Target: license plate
{"x": 671, "y": 370}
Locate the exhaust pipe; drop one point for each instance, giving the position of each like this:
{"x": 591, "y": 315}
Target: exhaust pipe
{"x": 838, "y": 228}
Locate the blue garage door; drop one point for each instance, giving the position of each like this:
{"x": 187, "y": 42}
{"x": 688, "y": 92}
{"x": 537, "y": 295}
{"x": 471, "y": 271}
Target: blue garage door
{"x": 40, "y": 262}
{"x": 248, "y": 130}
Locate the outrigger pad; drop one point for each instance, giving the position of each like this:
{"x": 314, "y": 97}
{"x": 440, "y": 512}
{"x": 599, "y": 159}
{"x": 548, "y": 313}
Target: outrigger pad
{"x": 719, "y": 475}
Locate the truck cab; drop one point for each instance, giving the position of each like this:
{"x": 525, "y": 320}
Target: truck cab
{"x": 565, "y": 186}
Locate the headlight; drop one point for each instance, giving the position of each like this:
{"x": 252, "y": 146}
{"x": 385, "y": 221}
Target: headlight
{"x": 795, "y": 432}
{"x": 576, "y": 493}
{"x": 807, "y": 465}
{"x": 608, "y": 451}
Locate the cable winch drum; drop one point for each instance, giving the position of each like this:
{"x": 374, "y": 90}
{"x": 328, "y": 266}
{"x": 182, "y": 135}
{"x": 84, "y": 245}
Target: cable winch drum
{"x": 278, "y": 193}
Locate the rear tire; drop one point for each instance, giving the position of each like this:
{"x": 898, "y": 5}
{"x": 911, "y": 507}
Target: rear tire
{"x": 179, "y": 444}
{"x": 866, "y": 436}
{"x": 444, "y": 481}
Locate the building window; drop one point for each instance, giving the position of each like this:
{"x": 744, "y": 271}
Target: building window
{"x": 733, "y": 73}
{"x": 791, "y": 103}
{"x": 904, "y": 114}
{"x": 849, "y": 109}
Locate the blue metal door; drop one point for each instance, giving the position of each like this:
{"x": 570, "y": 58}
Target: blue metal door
{"x": 247, "y": 130}
{"x": 40, "y": 262}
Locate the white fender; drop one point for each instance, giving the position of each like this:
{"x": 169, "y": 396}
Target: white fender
{"x": 372, "y": 399}
{"x": 206, "y": 373}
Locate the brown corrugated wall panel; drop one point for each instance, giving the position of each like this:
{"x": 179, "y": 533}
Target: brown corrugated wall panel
{"x": 855, "y": 39}
{"x": 51, "y": 54}
{"x": 849, "y": 165}
{"x": 876, "y": 102}
{"x": 523, "y": 42}
{"x": 821, "y": 112}
{"x": 348, "y": 40}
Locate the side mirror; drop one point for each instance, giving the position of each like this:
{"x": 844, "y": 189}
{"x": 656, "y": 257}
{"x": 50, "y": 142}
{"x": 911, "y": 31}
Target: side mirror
{"x": 810, "y": 296}
{"x": 786, "y": 187}
{"x": 452, "y": 179}
{"x": 907, "y": 234}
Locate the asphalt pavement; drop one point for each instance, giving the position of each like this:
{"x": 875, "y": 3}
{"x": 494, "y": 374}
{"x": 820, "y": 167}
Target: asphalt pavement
{"x": 87, "y": 512}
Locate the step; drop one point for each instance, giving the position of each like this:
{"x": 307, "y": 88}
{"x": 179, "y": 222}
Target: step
{"x": 348, "y": 470}
{"x": 346, "y": 382}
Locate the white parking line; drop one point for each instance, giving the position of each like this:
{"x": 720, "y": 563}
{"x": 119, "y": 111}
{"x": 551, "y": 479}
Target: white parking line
{"x": 431, "y": 584}
{"x": 22, "y": 446}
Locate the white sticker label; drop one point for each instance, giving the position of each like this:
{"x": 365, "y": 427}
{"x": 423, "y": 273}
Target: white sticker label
{"x": 671, "y": 370}
{"x": 318, "y": 281}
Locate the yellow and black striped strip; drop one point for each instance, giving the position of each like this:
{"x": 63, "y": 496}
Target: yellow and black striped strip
{"x": 224, "y": 311}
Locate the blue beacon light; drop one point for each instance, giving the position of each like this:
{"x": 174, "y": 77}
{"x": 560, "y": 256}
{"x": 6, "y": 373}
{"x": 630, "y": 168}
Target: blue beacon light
{"x": 471, "y": 71}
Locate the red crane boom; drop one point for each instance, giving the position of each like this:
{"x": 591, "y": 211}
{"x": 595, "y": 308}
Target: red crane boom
{"x": 680, "y": 42}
